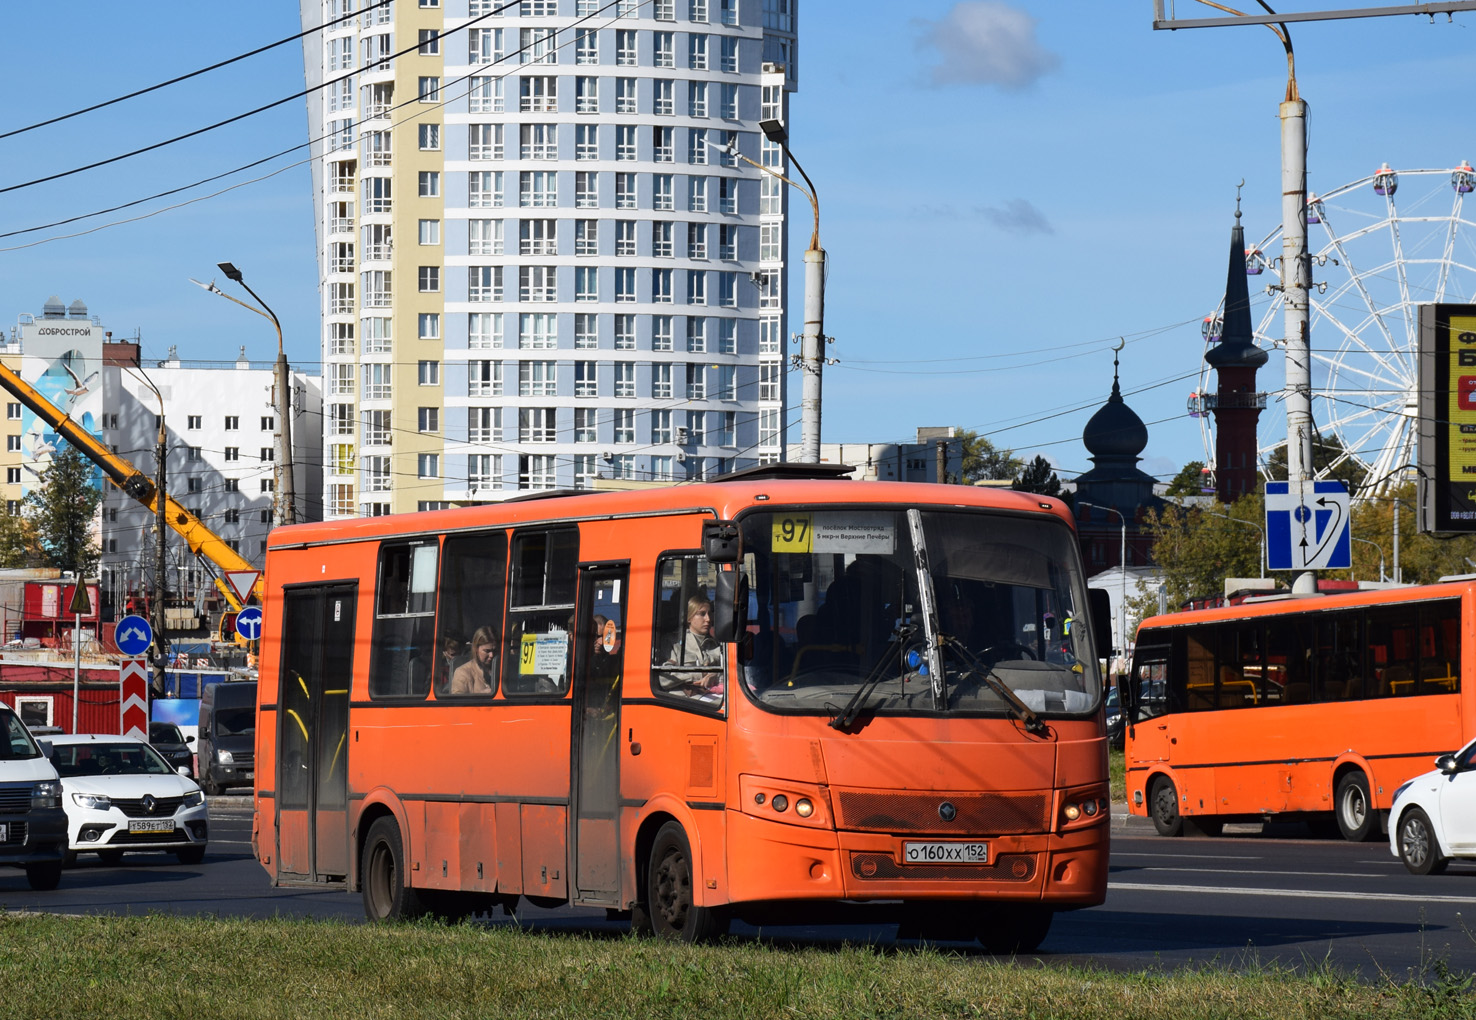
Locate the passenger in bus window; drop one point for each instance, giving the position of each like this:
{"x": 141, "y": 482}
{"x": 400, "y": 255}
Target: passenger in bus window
{"x": 453, "y": 653}
{"x": 696, "y": 648}
{"x": 476, "y": 675}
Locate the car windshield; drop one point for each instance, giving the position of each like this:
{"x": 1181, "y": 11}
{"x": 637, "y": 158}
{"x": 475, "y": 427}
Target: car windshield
{"x": 17, "y": 742}
{"x": 235, "y": 722}
{"x": 165, "y": 733}
{"x": 837, "y": 616}
{"x": 100, "y": 759}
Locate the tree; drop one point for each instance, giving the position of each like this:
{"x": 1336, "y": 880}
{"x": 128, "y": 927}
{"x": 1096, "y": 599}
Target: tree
{"x": 1188, "y": 481}
{"x": 63, "y": 511}
{"x": 1327, "y": 455}
{"x": 1198, "y": 549}
{"x": 19, "y": 546}
{"x": 982, "y": 460}
{"x": 1040, "y": 478}
{"x": 1423, "y": 559}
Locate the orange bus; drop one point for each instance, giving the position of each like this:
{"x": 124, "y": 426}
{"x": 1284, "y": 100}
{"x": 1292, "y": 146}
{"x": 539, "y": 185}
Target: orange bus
{"x": 1316, "y": 706}
{"x": 765, "y": 698}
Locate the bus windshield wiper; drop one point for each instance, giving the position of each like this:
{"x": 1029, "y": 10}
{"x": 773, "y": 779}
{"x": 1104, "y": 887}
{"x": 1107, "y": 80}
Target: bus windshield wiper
{"x": 985, "y": 675}
{"x": 846, "y": 718}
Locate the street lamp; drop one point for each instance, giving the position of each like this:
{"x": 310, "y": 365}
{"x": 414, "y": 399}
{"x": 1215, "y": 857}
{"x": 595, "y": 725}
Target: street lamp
{"x": 1381, "y": 554}
{"x": 286, "y": 491}
{"x": 1122, "y": 563}
{"x": 812, "y": 344}
{"x": 1249, "y": 524}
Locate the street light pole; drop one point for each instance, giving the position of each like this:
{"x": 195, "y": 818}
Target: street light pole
{"x": 286, "y": 490}
{"x": 812, "y": 342}
{"x": 1381, "y": 554}
{"x": 1122, "y": 562}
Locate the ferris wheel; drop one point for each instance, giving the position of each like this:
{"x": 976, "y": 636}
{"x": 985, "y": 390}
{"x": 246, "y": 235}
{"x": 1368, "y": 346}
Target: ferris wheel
{"x": 1381, "y": 247}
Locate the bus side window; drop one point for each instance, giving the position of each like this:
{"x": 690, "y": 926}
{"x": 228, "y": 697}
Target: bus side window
{"x": 403, "y": 650}
{"x": 685, "y": 664}
{"x": 1393, "y": 632}
{"x": 1440, "y": 647}
{"x": 1288, "y": 673}
{"x": 473, "y": 571}
{"x": 540, "y": 616}
{"x": 1199, "y": 672}
{"x": 1338, "y": 654}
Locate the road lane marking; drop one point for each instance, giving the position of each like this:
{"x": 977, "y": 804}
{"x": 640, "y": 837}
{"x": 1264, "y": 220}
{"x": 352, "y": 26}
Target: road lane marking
{"x": 1197, "y": 857}
{"x": 1306, "y": 894}
{"x": 1264, "y": 872}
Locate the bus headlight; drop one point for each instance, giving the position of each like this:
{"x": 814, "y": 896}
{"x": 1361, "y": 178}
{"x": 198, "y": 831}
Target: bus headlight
{"x": 780, "y": 800}
{"x": 804, "y": 808}
{"x": 1083, "y": 807}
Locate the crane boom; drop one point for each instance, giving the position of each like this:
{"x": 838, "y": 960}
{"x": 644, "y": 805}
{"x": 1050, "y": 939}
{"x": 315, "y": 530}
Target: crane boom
{"x": 121, "y": 472}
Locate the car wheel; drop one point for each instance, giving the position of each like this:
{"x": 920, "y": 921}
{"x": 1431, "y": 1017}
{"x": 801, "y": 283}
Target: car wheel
{"x": 112, "y": 858}
{"x": 1164, "y": 806}
{"x": 1010, "y": 929}
{"x": 669, "y": 901}
{"x": 191, "y": 855}
{"x": 1358, "y": 821}
{"x": 45, "y": 876}
{"x": 1418, "y": 848}
{"x": 387, "y": 897}
{"x": 210, "y": 786}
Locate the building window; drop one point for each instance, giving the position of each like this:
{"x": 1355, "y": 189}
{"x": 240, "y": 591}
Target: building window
{"x": 661, "y": 468}
{"x": 584, "y": 425}
{"x": 586, "y": 189}
{"x": 484, "y": 330}
{"x": 538, "y": 141}
{"x": 535, "y": 471}
{"x": 428, "y": 465}
{"x": 586, "y": 141}
{"x": 538, "y": 94}
{"x": 429, "y": 89}
{"x": 376, "y": 428}
{"x": 538, "y": 283}
{"x": 484, "y": 424}
{"x": 584, "y": 470}
{"x": 625, "y": 384}
{"x": 586, "y": 46}
{"x": 727, "y": 382}
{"x": 231, "y": 485}
{"x": 378, "y": 195}
{"x": 625, "y": 284}
{"x": 537, "y": 425}
{"x": 730, "y": 54}
{"x": 625, "y": 95}
{"x": 697, "y": 427}
{"x": 769, "y": 380}
{"x": 485, "y": 189}
{"x": 696, "y": 334}
{"x": 664, "y": 10}
{"x": 484, "y": 45}
{"x": 625, "y": 426}
{"x": 662, "y": 148}
{"x": 195, "y": 453}
{"x": 377, "y": 334}
{"x": 194, "y": 421}
{"x": 430, "y": 231}
{"x": 661, "y": 286}
{"x": 728, "y": 335}
{"x": 268, "y": 424}
{"x": 663, "y": 101}
{"x": 538, "y": 189}
{"x": 727, "y": 428}
{"x": 697, "y": 194}
{"x": 484, "y": 283}
{"x": 536, "y": 46}
{"x": 585, "y": 383}
{"x": 663, "y": 45}
{"x": 197, "y": 484}
{"x": 429, "y": 279}
{"x": 661, "y": 246}
{"x": 233, "y": 516}
{"x": 538, "y": 331}
{"x": 485, "y": 95}
{"x": 625, "y": 330}
{"x": 586, "y": 331}
{"x": 625, "y": 142}
{"x": 728, "y": 290}
{"x": 232, "y": 453}
{"x": 586, "y": 283}
{"x": 661, "y": 333}
{"x": 625, "y": 48}
{"x": 625, "y": 191}
{"x": 696, "y": 381}
{"x": 661, "y": 382}
{"x": 537, "y": 379}
{"x": 12, "y": 411}
{"x": 12, "y": 444}
{"x": 698, "y": 10}
{"x": 430, "y": 42}
{"x": 587, "y": 94}
{"x": 12, "y": 476}
{"x": 430, "y": 325}
{"x": 696, "y": 240}
{"x": 484, "y": 141}
{"x": 586, "y": 237}
{"x": 484, "y": 471}
{"x": 484, "y": 379}
{"x": 429, "y": 373}
{"x": 663, "y": 192}
{"x": 484, "y": 237}
{"x": 267, "y": 484}
{"x": 430, "y": 184}
{"x": 697, "y": 146}
{"x": 538, "y": 237}
{"x": 430, "y": 137}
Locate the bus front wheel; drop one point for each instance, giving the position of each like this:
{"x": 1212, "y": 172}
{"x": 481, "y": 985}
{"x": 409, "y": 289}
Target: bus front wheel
{"x": 387, "y": 897}
{"x": 1357, "y": 819}
{"x": 1164, "y": 805}
{"x": 669, "y": 903}
{"x": 1015, "y": 928}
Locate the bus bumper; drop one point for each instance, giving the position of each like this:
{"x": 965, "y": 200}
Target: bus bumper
{"x": 774, "y": 861}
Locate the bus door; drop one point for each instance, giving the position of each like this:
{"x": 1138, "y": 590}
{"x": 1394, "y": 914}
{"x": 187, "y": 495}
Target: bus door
{"x": 599, "y": 669}
{"x": 312, "y": 714}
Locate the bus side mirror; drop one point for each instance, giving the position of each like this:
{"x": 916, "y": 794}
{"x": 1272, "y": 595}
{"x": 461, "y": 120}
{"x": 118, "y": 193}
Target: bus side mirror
{"x": 729, "y": 605}
{"x": 721, "y": 542}
{"x": 1100, "y": 604}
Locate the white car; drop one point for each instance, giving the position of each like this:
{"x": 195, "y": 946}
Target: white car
{"x": 1433, "y": 816}
{"x": 121, "y": 795}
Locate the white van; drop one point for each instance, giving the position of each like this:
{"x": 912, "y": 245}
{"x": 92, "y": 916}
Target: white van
{"x": 33, "y": 826}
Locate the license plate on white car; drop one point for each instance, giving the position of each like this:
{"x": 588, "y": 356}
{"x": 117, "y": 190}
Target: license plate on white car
{"x": 945, "y": 853}
{"x": 151, "y": 825}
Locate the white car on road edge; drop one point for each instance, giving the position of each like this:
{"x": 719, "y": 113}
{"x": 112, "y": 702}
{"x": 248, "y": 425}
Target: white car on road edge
{"x": 1433, "y": 816}
{"x": 121, "y": 795}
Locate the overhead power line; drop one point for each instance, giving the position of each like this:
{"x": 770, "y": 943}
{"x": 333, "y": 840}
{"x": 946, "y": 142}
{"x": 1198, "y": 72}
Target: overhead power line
{"x": 192, "y": 74}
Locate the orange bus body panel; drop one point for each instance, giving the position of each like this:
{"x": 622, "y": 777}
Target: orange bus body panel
{"x": 1266, "y": 760}
{"x": 481, "y": 792}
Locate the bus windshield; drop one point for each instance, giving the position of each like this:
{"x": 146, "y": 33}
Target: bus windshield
{"x": 839, "y": 613}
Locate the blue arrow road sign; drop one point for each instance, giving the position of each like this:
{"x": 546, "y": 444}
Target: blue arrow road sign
{"x": 1308, "y": 527}
{"x": 248, "y": 623}
{"x": 133, "y": 635}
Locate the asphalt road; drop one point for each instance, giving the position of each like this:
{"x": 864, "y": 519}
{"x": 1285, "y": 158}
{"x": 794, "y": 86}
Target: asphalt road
{"x": 1234, "y": 900}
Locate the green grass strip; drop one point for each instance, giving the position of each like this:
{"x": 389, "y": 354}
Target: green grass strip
{"x": 172, "y": 967}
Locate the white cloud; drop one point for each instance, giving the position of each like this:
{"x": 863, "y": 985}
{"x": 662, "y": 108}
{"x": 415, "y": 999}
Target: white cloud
{"x": 1017, "y": 216}
{"x": 984, "y": 42}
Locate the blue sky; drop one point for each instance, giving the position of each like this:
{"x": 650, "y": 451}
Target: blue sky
{"x": 1006, "y": 188}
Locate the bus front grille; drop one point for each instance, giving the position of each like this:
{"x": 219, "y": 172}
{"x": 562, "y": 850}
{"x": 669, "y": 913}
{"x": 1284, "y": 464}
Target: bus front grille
{"x": 877, "y": 867}
{"x": 974, "y": 814}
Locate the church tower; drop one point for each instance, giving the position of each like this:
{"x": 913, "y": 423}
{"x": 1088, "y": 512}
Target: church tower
{"x": 1236, "y": 404}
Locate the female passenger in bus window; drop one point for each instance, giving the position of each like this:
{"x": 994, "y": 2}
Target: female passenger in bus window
{"x": 475, "y": 676}
{"x": 696, "y": 648}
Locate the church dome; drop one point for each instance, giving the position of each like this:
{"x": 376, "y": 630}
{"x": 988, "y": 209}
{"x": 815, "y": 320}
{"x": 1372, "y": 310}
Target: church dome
{"x": 1115, "y": 430}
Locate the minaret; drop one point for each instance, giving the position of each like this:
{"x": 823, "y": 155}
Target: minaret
{"x": 1236, "y": 404}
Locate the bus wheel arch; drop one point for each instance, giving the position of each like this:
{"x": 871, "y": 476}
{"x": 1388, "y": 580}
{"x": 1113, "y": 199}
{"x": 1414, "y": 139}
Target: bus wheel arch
{"x": 1353, "y": 804}
{"x": 373, "y": 810}
{"x": 671, "y": 892}
{"x": 385, "y": 874}
{"x": 1163, "y": 805}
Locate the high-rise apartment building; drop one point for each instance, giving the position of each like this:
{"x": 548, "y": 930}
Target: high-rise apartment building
{"x": 540, "y": 262}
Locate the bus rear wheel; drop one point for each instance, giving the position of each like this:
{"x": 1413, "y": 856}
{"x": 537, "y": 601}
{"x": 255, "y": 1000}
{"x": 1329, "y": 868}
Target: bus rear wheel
{"x": 669, "y": 903}
{"x": 1357, "y": 819}
{"x": 1163, "y": 804}
{"x": 1015, "y": 928}
{"x": 387, "y": 897}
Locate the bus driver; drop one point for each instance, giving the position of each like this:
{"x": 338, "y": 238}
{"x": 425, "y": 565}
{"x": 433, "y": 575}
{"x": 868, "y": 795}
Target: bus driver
{"x": 696, "y": 648}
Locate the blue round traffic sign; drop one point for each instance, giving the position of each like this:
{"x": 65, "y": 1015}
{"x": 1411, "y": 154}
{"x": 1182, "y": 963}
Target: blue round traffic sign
{"x": 133, "y": 635}
{"x": 248, "y": 623}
